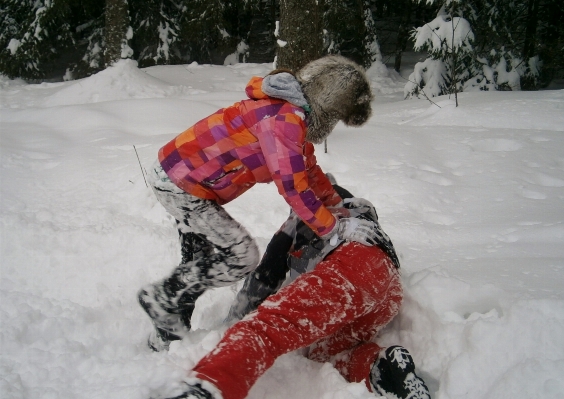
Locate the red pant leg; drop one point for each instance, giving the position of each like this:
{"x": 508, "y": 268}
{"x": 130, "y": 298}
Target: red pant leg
{"x": 355, "y": 364}
{"x": 349, "y": 348}
{"x": 342, "y": 289}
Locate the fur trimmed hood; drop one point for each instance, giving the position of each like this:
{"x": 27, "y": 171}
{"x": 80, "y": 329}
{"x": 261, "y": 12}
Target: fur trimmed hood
{"x": 336, "y": 89}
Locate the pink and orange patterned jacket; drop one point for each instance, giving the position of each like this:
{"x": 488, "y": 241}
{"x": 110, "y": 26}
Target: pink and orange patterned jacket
{"x": 259, "y": 140}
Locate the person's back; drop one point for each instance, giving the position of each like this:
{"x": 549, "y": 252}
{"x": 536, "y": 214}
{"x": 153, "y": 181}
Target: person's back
{"x": 226, "y": 153}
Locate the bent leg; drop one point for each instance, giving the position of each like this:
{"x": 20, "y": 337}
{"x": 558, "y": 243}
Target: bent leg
{"x": 314, "y": 306}
{"x": 225, "y": 253}
{"x": 350, "y": 348}
{"x": 216, "y": 251}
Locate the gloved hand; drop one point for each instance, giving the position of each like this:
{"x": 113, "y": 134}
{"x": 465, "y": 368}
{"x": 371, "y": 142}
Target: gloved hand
{"x": 362, "y": 206}
{"x": 353, "y": 229}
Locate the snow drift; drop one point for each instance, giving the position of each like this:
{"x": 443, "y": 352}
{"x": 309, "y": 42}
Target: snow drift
{"x": 471, "y": 196}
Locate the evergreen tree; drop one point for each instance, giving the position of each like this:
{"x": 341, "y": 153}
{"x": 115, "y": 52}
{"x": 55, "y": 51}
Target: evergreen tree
{"x": 518, "y": 44}
{"x": 350, "y": 30}
{"x": 92, "y": 44}
{"x": 393, "y": 20}
{"x": 32, "y": 34}
{"x": 261, "y": 39}
{"x": 156, "y": 28}
{"x": 550, "y": 41}
{"x": 204, "y": 31}
{"x": 448, "y": 40}
{"x": 501, "y": 61}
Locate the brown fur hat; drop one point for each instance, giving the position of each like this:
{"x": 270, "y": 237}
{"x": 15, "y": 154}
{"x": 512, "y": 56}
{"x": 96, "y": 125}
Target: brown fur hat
{"x": 336, "y": 89}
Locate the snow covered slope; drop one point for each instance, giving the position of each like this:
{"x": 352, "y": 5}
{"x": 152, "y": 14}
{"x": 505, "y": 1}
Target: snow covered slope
{"x": 473, "y": 198}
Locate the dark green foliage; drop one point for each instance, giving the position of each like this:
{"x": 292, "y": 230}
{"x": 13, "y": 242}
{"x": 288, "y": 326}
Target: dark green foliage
{"x": 204, "y": 30}
{"x": 550, "y": 40}
{"x": 157, "y": 26}
{"x": 262, "y": 24}
{"x": 91, "y": 45}
{"x": 394, "y": 19}
{"x": 32, "y": 34}
{"x": 517, "y": 45}
{"x": 43, "y": 39}
{"x": 350, "y": 30}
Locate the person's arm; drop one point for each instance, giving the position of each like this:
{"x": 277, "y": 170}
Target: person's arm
{"x": 318, "y": 180}
{"x": 281, "y": 138}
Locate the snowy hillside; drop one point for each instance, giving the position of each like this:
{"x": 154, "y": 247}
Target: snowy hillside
{"x": 473, "y": 198}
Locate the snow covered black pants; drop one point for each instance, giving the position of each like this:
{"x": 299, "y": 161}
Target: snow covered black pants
{"x": 336, "y": 310}
{"x": 216, "y": 251}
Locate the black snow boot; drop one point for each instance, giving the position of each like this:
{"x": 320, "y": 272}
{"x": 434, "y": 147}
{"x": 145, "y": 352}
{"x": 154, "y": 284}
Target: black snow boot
{"x": 194, "y": 391}
{"x": 393, "y": 376}
{"x": 159, "y": 339}
{"x": 170, "y": 324}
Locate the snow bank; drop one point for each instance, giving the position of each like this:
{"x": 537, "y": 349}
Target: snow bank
{"x": 121, "y": 81}
{"x": 471, "y": 196}
{"x": 536, "y": 111}
{"x": 482, "y": 343}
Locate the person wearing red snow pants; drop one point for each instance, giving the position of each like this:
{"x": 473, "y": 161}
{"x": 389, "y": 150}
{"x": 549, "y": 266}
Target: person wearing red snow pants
{"x": 344, "y": 293}
{"x": 337, "y": 309}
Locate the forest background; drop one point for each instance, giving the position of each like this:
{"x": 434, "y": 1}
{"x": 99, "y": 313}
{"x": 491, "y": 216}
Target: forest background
{"x": 50, "y": 40}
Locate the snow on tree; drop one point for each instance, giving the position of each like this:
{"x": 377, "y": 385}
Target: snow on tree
{"x": 263, "y": 17}
{"x": 427, "y": 80}
{"x": 32, "y": 34}
{"x": 349, "y": 30}
{"x": 204, "y": 31}
{"x": 40, "y": 39}
{"x": 508, "y": 49}
{"x": 157, "y": 25}
{"x": 240, "y": 55}
{"x": 92, "y": 60}
{"x": 448, "y": 40}
{"x": 501, "y": 63}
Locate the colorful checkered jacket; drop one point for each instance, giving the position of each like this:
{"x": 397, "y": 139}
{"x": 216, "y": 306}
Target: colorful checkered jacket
{"x": 257, "y": 140}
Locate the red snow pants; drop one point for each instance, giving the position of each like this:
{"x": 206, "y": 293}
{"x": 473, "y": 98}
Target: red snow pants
{"x": 336, "y": 309}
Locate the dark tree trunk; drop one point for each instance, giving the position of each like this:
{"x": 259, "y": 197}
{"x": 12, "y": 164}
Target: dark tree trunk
{"x": 300, "y": 36}
{"x": 403, "y": 34}
{"x": 531, "y": 29}
{"x": 530, "y": 42}
{"x": 117, "y": 23}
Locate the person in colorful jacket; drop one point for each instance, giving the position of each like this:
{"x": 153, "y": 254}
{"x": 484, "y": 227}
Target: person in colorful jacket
{"x": 341, "y": 295}
{"x": 268, "y": 137}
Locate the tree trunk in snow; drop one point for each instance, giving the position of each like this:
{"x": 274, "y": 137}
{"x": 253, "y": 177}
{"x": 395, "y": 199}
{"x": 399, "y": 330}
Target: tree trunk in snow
{"x": 403, "y": 34}
{"x": 117, "y": 26}
{"x": 531, "y": 29}
{"x": 300, "y": 35}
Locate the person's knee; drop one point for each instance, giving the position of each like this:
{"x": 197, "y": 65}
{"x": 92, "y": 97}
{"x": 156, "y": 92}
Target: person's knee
{"x": 247, "y": 254}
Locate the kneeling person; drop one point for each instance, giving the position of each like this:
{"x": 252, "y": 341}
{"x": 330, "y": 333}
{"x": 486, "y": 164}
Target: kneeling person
{"x": 344, "y": 294}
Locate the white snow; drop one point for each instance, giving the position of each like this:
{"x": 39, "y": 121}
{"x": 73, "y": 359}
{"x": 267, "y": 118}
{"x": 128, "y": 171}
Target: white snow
{"x": 13, "y": 46}
{"x": 472, "y": 198}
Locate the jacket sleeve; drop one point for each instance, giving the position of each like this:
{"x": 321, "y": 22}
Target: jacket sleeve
{"x": 281, "y": 138}
{"x": 318, "y": 181}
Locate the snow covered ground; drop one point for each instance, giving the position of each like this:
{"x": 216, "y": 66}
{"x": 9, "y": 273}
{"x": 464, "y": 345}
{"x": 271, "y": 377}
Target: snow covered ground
{"x": 473, "y": 198}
